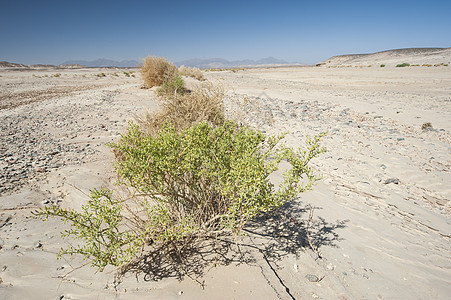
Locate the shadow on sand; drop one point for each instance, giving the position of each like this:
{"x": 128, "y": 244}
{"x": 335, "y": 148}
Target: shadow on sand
{"x": 287, "y": 230}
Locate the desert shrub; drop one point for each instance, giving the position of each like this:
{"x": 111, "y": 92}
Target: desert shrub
{"x": 98, "y": 226}
{"x": 382, "y": 65}
{"x": 202, "y": 103}
{"x": 172, "y": 87}
{"x": 187, "y": 186}
{"x": 426, "y": 125}
{"x": 157, "y": 70}
{"x": 402, "y": 65}
{"x": 191, "y": 72}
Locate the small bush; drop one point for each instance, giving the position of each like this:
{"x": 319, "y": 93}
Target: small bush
{"x": 191, "y": 72}
{"x": 403, "y": 65}
{"x": 382, "y": 65}
{"x": 202, "y": 103}
{"x": 426, "y": 125}
{"x": 187, "y": 186}
{"x": 172, "y": 87}
{"x": 157, "y": 70}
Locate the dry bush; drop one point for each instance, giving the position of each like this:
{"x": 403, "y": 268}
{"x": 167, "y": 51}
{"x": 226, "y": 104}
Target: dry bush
{"x": 203, "y": 103}
{"x": 426, "y": 126}
{"x": 192, "y": 72}
{"x": 157, "y": 70}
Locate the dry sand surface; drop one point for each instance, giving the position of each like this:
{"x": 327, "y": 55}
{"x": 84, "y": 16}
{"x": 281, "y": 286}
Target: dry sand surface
{"x": 381, "y": 218}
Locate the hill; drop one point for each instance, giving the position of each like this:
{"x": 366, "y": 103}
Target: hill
{"x": 430, "y": 56}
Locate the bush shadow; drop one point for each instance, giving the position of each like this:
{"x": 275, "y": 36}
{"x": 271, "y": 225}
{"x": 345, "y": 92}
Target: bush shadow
{"x": 291, "y": 229}
{"x": 288, "y": 230}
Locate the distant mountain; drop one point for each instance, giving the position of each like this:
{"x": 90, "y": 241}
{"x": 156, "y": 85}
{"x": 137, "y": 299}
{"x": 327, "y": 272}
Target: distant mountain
{"x": 5, "y": 64}
{"x": 102, "y": 62}
{"x": 211, "y": 63}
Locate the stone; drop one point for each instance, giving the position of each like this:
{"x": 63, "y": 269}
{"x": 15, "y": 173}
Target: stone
{"x": 312, "y": 278}
{"x": 391, "y": 180}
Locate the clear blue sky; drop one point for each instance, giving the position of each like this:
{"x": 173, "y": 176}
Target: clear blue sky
{"x": 52, "y": 32}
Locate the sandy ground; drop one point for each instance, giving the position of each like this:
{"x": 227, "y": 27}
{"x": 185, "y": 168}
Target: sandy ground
{"x": 381, "y": 219}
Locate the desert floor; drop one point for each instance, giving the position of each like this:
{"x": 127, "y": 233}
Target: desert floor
{"x": 381, "y": 214}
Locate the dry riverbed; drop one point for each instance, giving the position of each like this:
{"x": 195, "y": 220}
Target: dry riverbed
{"x": 381, "y": 215}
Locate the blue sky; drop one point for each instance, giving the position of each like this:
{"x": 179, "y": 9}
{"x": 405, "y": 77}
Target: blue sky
{"x": 303, "y": 31}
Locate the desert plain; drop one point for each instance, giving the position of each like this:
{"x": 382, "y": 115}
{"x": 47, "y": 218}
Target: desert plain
{"x": 380, "y": 223}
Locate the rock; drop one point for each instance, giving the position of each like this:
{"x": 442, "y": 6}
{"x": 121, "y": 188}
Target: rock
{"x": 312, "y": 278}
{"x": 391, "y": 180}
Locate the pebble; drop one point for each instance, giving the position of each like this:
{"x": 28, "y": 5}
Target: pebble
{"x": 34, "y": 147}
{"x": 312, "y": 278}
{"x": 391, "y": 180}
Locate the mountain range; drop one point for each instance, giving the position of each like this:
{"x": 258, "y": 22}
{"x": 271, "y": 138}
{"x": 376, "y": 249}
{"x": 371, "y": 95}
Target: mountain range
{"x": 102, "y": 62}
{"x": 196, "y": 62}
{"x": 223, "y": 63}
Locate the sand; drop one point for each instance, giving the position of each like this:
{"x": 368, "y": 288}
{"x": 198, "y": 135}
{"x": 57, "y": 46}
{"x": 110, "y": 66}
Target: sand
{"x": 381, "y": 218}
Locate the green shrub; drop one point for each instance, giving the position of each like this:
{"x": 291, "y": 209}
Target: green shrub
{"x": 186, "y": 187}
{"x": 172, "y": 87}
{"x": 157, "y": 70}
{"x": 98, "y": 226}
{"x": 382, "y": 65}
{"x": 402, "y": 65}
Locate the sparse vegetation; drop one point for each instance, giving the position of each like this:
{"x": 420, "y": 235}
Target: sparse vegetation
{"x": 191, "y": 72}
{"x": 382, "y": 65}
{"x": 172, "y": 87}
{"x": 192, "y": 175}
{"x": 188, "y": 186}
{"x": 402, "y": 65}
{"x": 157, "y": 70}
{"x": 101, "y": 75}
{"x": 202, "y": 103}
{"x": 426, "y": 126}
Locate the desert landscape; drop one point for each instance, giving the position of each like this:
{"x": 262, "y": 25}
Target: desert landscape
{"x": 376, "y": 226}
